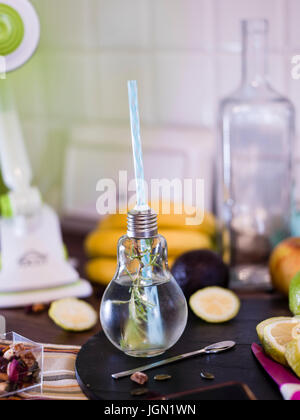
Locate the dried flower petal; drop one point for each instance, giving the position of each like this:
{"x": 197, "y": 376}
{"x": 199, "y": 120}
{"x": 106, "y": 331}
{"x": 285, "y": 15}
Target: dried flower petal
{"x": 19, "y": 348}
{"x": 3, "y": 377}
{"x": 3, "y": 387}
{"x": 37, "y": 308}
{"x": 13, "y": 371}
{"x": 3, "y": 365}
{"x": 9, "y": 354}
{"x": 23, "y": 370}
{"x": 29, "y": 359}
{"x": 139, "y": 377}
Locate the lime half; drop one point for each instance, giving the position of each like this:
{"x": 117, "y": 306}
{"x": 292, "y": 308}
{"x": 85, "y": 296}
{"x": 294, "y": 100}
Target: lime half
{"x": 73, "y": 315}
{"x": 215, "y": 304}
{"x": 294, "y": 295}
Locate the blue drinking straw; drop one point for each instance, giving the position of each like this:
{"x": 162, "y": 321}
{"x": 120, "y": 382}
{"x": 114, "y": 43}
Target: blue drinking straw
{"x": 141, "y": 203}
{"x": 155, "y": 330}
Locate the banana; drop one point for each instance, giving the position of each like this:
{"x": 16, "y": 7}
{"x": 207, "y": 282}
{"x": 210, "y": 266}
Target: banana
{"x": 101, "y": 245}
{"x": 177, "y": 221}
{"x": 180, "y": 242}
{"x": 102, "y": 270}
{"x": 104, "y": 243}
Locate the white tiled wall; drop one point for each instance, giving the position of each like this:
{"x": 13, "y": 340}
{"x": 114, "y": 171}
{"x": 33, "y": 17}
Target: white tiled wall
{"x": 229, "y": 13}
{"x": 122, "y": 24}
{"x": 103, "y": 150}
{"x": 185, "y": 55}
{"x": 183, "y": 25}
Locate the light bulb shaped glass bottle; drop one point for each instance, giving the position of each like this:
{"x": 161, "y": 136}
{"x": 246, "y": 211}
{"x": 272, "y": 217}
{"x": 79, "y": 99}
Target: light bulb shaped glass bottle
{"x": 143, "y": 310}
{"x": 257, "y": 131}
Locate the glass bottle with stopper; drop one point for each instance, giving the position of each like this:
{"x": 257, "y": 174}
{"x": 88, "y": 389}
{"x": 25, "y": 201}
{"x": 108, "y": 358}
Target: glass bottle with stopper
{"x": 257, "y": 130}
{"x": 143, "y": 310}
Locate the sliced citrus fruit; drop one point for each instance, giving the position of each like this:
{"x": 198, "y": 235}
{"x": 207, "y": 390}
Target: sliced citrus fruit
{"x": 73, "y": 315}
{"x": 277, "y": 336}
{"x": 215, "y": 304}
{"x": 260, "y": 328}
{"x": 292, "y": 356}
{"x": 296, "y": 332}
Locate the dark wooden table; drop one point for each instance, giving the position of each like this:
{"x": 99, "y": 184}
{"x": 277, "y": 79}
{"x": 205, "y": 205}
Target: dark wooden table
{"x": 255, "y": 308}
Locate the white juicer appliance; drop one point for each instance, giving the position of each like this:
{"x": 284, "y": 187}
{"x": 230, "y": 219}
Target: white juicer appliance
{"x": 34, "y": 266}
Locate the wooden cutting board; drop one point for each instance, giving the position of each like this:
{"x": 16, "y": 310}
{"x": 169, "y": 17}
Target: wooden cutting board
{"x": 98, "y": 358}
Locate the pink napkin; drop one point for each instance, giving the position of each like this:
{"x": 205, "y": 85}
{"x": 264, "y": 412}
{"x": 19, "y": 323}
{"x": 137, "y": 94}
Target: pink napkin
{"x": 288, "y": 383}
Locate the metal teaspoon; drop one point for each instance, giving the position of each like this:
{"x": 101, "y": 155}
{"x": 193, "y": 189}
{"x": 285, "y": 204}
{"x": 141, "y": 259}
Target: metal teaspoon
{"x": 213, "y": 349}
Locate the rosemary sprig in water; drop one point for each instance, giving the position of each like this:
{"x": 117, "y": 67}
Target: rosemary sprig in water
{"x": 139, "y": 306}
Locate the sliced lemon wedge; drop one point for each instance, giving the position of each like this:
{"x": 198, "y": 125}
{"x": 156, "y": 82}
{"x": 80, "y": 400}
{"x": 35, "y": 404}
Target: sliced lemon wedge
{"x": 261, "y": 327}
{"x": 277, "y": 336}
{"x": 292, "y": 355}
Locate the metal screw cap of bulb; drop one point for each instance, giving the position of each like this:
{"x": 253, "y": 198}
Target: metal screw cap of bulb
{"x": 142, "y": 224}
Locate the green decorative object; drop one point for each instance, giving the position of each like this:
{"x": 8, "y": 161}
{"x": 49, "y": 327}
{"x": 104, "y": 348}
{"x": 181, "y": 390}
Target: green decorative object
{"x": 11, "y": 30}
{"x": 6, "y": 207}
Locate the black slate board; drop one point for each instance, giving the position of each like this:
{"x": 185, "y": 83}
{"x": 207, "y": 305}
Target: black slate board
{"x": 98, "y": 358}
{"x": 226, "y": 392}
